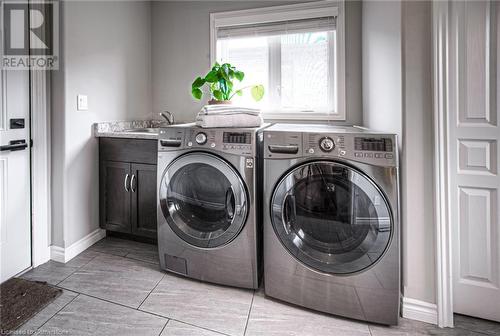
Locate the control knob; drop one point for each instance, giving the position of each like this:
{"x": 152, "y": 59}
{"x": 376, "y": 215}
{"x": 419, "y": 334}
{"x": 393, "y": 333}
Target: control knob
{"x": 326, "y": 144}
{"x": 201, "y": 138}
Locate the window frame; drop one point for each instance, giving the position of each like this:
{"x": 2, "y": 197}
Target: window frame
{"x": 300, "y": 11}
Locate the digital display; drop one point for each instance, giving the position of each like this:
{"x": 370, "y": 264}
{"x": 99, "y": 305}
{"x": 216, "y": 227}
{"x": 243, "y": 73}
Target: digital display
{"x": 236, "y": 138}
{"x": 373, "y": 144}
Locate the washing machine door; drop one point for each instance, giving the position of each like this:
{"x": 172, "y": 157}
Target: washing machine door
{"x": 331, "y": 217}
{"x": 203, "y": 200}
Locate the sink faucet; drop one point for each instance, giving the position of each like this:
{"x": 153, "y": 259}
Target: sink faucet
{"x": 168, "y": 116}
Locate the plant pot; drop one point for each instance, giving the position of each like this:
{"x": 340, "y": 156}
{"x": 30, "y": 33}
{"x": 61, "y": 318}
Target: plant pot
{"x": 219, "y": 102}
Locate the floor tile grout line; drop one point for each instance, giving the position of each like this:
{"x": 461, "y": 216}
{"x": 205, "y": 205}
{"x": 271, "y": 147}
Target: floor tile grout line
{"x": 129, "y": 258}
{"x": 149, "y": 262}
{"x": 161, "y": 331}
{"x": 73, "y": 299}
{"x": 76, "y": 268}
{"x": 108, "y": 301}
{"x": 66, "y": 289}
{"x": 249, "y": 312}
{"x": 197, "y": 326}
{"x": 151, "y": 291}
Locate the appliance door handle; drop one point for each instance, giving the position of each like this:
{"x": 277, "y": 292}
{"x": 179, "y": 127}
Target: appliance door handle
{"x": 132, "y": 184}
{"x": 170, "y": 143}
{"x": 289, "y": 212}
{"x": 230, "y": 203}
{"x": 125, "y": 183}
{"x": 14, "y": 145}
{"x": 285, "y": 149}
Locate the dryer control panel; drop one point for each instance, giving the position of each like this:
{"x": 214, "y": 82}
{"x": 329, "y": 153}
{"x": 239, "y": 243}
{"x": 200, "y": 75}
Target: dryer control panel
{"x": 233, "y": 141}
{"x": 344, "y": 143}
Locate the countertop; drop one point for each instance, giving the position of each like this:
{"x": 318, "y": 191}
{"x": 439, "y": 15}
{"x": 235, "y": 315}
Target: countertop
{"x": 123, "y": 129}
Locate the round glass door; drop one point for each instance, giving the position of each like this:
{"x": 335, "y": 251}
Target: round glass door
{"x": 203, "y": 200}
{"x": 331, "y": 217}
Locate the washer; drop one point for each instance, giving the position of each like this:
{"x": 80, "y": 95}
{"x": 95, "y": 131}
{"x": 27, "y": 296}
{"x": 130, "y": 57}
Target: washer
{"x": 331, "y": 220}
{"x": 207, "y": 212}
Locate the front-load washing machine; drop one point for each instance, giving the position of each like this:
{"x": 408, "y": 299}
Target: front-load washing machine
{"x": 331, "y": 225}
{"x": 207, "y": 208}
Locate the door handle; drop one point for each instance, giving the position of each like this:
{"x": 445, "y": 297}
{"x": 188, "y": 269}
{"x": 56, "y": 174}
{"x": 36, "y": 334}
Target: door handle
{"x": 125, "y": 183}
{"x": 289, "y": 212}
{"x": 285, "y": 149}
{"x": 132, "y": 183}
{"x": 14, "y": 145}
{"x": 230, "y": 203}
{"x": 170, "y": 143}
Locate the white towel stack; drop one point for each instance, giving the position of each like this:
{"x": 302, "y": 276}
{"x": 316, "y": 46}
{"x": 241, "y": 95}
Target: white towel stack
{"x": 228, "y": 116}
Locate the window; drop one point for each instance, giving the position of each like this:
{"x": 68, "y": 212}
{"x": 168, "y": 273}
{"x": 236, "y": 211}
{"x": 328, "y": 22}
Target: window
{"x": 295, "y": 51}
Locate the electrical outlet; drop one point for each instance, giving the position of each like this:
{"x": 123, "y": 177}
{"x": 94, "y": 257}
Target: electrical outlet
{"x": 82, "y": 103}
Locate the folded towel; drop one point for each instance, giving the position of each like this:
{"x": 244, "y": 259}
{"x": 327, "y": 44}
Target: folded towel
{"x": 230, "y": 112}
{"x": 229, "y": 120}
{"x": 228, "y": 109}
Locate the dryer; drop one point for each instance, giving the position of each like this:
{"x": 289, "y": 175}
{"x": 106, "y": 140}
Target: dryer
{"x": 331, "y": 220}
{"x": 207, "y": 210}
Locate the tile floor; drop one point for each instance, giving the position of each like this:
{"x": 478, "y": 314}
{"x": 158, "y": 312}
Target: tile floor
{"x": 117, "y": 288}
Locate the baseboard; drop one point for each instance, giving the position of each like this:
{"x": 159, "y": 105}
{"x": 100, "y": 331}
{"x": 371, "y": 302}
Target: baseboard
{"x": 57, "y": 253}
{"x": 419, "y": 310}
{"x": 64, "y": 255}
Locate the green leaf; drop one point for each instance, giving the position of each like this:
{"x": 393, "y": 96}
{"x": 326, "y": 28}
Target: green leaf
{"x": 224, "y": 74}
{"x": 239, "y": 75}
{"x": 198, "y": 82}
{"x": 239, "y": 93}
{"x": 212, "y": 77}
{"x": 222, "y": 86}
{"x": 257, "y": 92}
{"x": 197, "y": 93}
{"x": 217, "y": 95}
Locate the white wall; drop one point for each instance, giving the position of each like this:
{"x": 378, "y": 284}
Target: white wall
{"x": 417, "y": 159}
{"x": 397, "y": 98}
{"x": 106, "y": 55}
{"x": 180, "y": 52}
{"x": 382, "y": 79}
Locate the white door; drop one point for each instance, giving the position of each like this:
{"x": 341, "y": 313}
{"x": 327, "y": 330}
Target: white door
{"x": 474, "y": 137}
{"x": 15, "y": 227}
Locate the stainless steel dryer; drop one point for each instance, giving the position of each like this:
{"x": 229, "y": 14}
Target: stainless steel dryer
{"x": 331, "y": 224}
{"x": 207, "y": 212}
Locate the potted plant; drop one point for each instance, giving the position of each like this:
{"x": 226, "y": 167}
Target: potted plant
{"x": 220, "y": 82}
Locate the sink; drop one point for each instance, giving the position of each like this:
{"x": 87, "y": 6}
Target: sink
{"x": 142, "y": 130}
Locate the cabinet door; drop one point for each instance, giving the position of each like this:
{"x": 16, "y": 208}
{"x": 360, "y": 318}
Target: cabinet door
{"x": 115, "y": 196}
{"x": 143, "y": 205}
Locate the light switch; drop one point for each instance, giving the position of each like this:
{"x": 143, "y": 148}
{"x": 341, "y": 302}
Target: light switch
{"x": 82, "y": 103}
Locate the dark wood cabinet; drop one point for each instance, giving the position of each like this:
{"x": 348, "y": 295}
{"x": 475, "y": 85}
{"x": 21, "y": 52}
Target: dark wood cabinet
{"x": 128, "y": 186}
{"x": 115, "y": 199}
{"x": 143, "y": 214}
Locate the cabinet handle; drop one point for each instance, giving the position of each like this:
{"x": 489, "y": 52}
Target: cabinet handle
{"x": 125, "y": 183}
{"x": 132, "y": 183}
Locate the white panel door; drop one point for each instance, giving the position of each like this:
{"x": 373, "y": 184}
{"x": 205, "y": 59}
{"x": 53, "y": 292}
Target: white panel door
{"x": 15, "y": 227}
{"x": 474, "y": 157}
